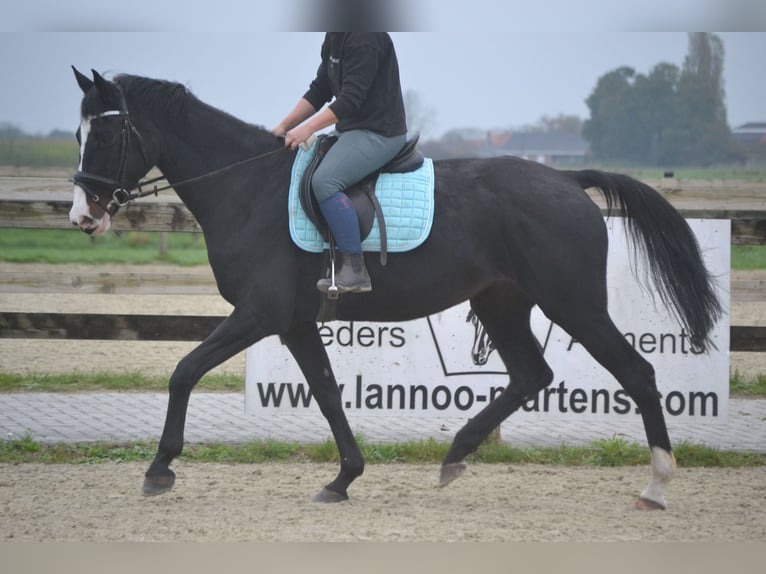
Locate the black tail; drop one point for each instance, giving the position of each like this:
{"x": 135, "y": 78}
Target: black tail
{"x": 661, "y": 236}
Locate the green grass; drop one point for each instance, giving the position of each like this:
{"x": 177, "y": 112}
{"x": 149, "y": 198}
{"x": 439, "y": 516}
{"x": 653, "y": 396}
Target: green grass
{"x": 37, "y": 152}
{"x": 739, "y": 386}
{"x": 135, "y": 247}
{"x": 748, "y": 257}
{"x": 107, "y": 382}
{"x": 187, "y": 249}
{"x": 608, "y": 452}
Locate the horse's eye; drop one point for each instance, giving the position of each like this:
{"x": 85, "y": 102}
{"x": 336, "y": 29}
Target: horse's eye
{"x": 106, "y": 137}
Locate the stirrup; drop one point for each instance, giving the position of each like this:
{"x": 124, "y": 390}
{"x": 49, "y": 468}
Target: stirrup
{"x": 332, "y": 290}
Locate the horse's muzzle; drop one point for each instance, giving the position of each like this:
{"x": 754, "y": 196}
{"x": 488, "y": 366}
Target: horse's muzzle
{"x": 81, "y": 215}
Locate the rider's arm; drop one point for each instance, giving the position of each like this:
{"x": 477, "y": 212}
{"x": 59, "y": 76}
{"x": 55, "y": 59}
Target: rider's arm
{"x": 298, "y": 135}
{"x": 301, "y": 112}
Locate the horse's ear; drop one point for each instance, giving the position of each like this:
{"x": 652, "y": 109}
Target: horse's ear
{"x": 83, "y": 81}
{"x": 106, "y": 89}
{"x": 101, "y": 82}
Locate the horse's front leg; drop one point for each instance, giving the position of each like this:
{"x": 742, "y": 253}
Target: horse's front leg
{"x": 306, "y": 346}
{"x": 236, "y": 333}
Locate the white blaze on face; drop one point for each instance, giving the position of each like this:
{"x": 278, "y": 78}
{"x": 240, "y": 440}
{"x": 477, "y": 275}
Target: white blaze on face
{"x": 80, "y": 213}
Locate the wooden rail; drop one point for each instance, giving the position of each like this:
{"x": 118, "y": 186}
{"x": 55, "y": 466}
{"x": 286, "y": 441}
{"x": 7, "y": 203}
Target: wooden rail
{"x": 101, "y": 326}
{"x": 89, "y": 326}
{"x": 106, "y": 279}
{"x": 40, "y": 212}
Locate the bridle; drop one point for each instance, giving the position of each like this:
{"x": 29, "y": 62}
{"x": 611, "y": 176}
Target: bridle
{"x": 118, "y": 186}
{"x": 123, "y": 192}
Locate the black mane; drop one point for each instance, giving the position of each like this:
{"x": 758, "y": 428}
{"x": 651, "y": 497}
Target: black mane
{"x": 175, "y": 102}
{"x": 146, "y": 94}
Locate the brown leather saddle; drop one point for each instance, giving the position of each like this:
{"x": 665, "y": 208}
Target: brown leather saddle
{"x": 361, "y": 194}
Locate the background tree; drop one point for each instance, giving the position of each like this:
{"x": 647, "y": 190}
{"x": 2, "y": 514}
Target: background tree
{"x": 699, "y": 131}
{"x": 8, "y": 130}
{"x": 609, "y": 125}
{"x": 659, "y": 101}
{"x": 670, "y": 116}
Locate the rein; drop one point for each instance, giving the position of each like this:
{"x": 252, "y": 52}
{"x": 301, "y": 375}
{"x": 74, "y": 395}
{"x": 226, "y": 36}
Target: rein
{"x": 141, "y": 193}
{"x": 121, "y": 196}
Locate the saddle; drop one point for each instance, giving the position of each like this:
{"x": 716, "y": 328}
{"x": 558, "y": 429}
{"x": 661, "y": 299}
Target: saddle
{"x": 361, "y": 194}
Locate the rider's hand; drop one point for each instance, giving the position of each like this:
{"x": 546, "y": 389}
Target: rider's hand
{"x": 297, "y": 136}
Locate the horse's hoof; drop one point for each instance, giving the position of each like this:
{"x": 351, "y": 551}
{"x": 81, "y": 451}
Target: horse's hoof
{"x": 646, "y": 504}
{"x": 326, "y": 495}
{"x": 160, "y": 484}
{"x": 451, "y": 471}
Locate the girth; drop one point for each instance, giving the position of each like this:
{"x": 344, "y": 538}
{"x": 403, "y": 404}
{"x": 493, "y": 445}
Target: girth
{"x": 361, "y": 194}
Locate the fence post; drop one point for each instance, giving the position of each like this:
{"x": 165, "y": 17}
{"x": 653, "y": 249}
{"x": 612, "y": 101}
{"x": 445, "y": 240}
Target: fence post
{"x": 163, "y": 243}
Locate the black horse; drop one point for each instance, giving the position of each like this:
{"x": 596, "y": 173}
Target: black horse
{"x": 508, "y": 234}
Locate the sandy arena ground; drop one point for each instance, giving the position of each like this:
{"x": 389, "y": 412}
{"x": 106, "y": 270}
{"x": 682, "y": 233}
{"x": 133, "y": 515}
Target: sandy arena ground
{"x": 270, "y": 502}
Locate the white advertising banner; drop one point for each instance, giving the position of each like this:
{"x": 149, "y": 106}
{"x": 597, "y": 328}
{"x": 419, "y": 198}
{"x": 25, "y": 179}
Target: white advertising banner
{"x": 444, "y": 365}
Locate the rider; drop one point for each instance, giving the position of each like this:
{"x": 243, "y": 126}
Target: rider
{"x": 361, "y": 72}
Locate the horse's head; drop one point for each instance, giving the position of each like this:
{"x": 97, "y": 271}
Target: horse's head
{"x": 113, "y": 157}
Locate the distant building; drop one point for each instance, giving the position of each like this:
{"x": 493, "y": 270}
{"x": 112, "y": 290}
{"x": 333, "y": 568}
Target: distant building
{"x": 753, "y": 133}
{"x": 565, "y": 148}
{"x": 544, "y": 147}
{"x": 750, "y": 142}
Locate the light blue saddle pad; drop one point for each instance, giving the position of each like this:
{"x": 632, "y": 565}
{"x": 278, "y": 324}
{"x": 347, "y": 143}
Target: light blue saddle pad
{"x": 407, "y": 200}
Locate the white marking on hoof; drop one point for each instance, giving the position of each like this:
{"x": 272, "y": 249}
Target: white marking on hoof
{"x": 663, "y": 468}
{"x": 645, "y": 504}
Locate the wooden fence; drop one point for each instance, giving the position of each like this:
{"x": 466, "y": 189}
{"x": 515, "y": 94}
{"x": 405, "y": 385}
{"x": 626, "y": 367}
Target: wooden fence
{"x": 29, "y": 209}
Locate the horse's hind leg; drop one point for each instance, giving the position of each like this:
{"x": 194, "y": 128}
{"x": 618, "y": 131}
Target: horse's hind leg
{"x": 307, "y": 348}
{"x": 236, "y": 333}
{"x": 506, "y": 318}
{"x": 601, "y": 338}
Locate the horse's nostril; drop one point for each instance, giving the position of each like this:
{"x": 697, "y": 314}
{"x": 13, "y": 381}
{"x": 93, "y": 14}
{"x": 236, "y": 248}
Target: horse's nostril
{"x": 87, "y": 224}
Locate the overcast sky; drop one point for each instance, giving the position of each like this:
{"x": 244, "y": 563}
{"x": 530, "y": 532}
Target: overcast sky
{"x": 495, "y": 67}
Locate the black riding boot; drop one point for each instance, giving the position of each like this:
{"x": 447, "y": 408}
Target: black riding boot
{"x": 350, "y": 277}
